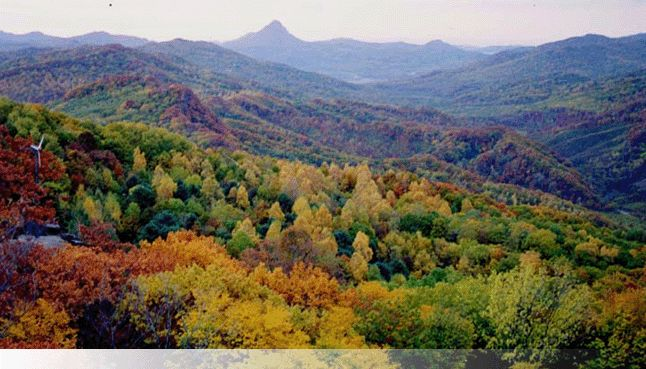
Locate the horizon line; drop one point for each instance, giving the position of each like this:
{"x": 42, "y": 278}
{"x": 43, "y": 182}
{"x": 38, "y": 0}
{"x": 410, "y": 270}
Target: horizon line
{"x": 382, "y": 41}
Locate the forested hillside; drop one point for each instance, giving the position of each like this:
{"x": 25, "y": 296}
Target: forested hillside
{"x": 194, "y": 248}
{"x": 321, "y": 130}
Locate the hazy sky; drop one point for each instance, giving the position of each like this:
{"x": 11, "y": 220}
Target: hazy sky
{"x": 462, "y": 22}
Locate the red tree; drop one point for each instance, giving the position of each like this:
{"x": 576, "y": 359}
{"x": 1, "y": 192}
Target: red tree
{"x": 21, "y": 199}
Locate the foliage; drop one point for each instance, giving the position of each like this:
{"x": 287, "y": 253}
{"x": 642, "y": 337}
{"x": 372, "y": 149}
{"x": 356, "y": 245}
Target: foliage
{"x": 212, "y": 248}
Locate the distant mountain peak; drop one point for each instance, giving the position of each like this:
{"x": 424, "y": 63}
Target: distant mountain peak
{"x": 274, "y": 31}
{"x": 275, "y": 26}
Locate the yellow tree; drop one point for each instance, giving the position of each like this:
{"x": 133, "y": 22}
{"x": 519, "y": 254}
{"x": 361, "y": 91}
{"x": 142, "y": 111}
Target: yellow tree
{"x": 361, "y": 256}
{"x": 302, "y": 208}
{"x": 336, "y": 330}
{"x": 273, "y": 233}
{"x": 112, "y": 208}
{"x": 305, "y": 286}
{"x": 361, "y": 244}
{"x": 246, "y": 226}
{"x": 165, "y": 188}
{"x": 139, "y": 162}
{"x": 212, "y": 307}
{"x": 367, "y": 197}
{"x": 242, "y": 197}
{"x": 210, "y": 188}
{"x": 92, "y": 209}
{"x": 276, "y": 212}
{"x": 466, "y": 205}
{"x": 358, "y": 267}
{"x": 42, "y": 324}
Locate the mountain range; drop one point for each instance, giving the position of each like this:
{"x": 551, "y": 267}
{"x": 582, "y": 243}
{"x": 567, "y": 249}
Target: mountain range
{"x": 348, "y": 59}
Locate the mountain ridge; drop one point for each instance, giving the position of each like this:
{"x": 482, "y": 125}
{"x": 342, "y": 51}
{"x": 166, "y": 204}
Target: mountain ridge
{"x": 13, "y": 41}
{"x": 348, "y": 59}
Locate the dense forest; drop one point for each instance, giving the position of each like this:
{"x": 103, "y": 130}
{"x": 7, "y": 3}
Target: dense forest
{"x": 175, "y": 245}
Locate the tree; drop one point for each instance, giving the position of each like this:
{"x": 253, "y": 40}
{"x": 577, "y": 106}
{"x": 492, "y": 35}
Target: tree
{"x": 142, "y": 195}
{"x": 210, "y": 188}
{"x": 92, "y": 209}
{"x": 620, "y": 338}
{"x": 242, "y": 197}
{"x": 361, "y": 256}
{"x": 240, "y": 242}
{"x": 21, "y": 199}
{"x": 358, "y": 266}
{"x": 336, "y": 330}
{"x": 368, "y": 198}
{"x": 244, "y": 237}
{"x": 75, "y": 276}
{"x": 534, "y": 314}
{"x": 302, "y": 208}
{"x": 466, "y": 205}
{"x": 112, "y": 208}
{"x": 16, "y": 274}
{"x": 275, "y": 212}
{"x": 41, "y": 325}
{"x": 183, "y": 248}
{"x": 305, "y": 285}
{"x": 212, "y": 307}
{"x": 361, "y": 245}
{"x": 139, "y": 162}
{"x": 543, "y": 241}
{"x": 165, "y": 188}
{"x": 159, "y": 226}
{"x": 273, "y": 233}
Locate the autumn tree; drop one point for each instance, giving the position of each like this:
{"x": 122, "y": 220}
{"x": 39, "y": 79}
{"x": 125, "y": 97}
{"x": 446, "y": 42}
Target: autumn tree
{"x": 21, "y": 198}
{"x": 361, "y": 256}
{"x": 40, "y": 325}
{"x": 242, "y": 197}
{"x": 139, "y": 162}
{"x": 75, "y": 276}
{"x": 196, "y": 308}
{"x": 305, "y": 285}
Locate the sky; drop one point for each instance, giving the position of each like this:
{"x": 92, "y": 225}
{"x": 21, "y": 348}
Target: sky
{"x": 480, "y": 23}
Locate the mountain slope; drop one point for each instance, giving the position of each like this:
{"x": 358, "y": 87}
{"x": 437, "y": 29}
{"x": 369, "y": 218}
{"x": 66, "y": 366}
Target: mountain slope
{"x": 45, "y": 76}
{"x": 348, "y": 59}
{"x": 611, "y": 149}
{"x": 139, "y": 99}
{"x": 608, "y": 148}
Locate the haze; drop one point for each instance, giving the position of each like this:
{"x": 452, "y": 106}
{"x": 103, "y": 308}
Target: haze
{"x": 418, "y": 21}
